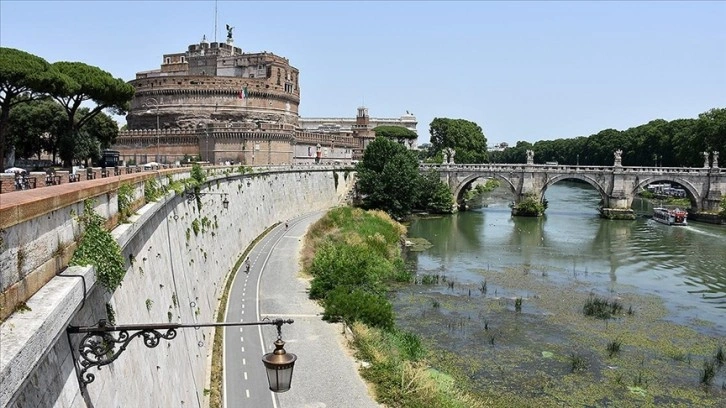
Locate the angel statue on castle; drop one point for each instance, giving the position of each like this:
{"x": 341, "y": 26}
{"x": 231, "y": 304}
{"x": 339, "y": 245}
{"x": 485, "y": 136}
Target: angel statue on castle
{"x": 229, "y": 31}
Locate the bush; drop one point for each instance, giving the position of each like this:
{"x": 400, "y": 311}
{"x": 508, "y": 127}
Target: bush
{"x": 125, "y": 199}
{"x": 530, "y": 206}
{"x": 357, "y": 305}
{"x": 100, "y": 249}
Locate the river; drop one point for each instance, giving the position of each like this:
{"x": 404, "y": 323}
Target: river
{"x": 502, "y": 298}
{"x": 686, "y": 266}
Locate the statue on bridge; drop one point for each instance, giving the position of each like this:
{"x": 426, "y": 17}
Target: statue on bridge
{"x": 449, "y": 154}
{"x": 618, "y": 157}
{"x": 705, "y": 160}
{"x": 530, "y": 156}
{"x": 715, "y": 160}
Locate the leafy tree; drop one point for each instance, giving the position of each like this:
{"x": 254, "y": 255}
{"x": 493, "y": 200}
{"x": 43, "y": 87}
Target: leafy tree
{"x": 387, "y": 177}
{"x": 435, "y": 196}
{"x": 680, "y": 142}
{"x": 33, "y": 127}
{"x": 516, "y": 154}
{"x": 81, "y": 146}
{"x": 93, "y": 84}
{"x": 465, "y": 137}
{"x": 23, "y": 77}
{"x": 711, "y": 128}
{"x": 396, "y": 133}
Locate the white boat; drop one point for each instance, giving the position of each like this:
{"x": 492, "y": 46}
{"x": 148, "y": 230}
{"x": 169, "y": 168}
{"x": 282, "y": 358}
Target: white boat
{"x": 670, "y": 217}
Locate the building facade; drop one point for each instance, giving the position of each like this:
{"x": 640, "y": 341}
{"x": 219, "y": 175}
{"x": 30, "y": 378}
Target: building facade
{"x": 216, "y": 103}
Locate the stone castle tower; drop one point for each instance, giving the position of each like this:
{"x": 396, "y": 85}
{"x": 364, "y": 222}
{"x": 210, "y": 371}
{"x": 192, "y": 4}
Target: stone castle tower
{"x": 216, "y": 103}
{"x": 216, "y": 82}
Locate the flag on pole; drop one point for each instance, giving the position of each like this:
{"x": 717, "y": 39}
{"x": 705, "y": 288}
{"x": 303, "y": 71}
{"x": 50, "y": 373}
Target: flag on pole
{"x": 243, "y": 93}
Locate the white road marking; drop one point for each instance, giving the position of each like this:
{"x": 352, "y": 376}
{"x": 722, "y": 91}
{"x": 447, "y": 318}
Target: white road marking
{"x": 243, "y": 349}
{"x": 248, "y": 393}
{"x": 244, "y": 361}
{"x": 245, "y": 375}
{"x": 241, "y": 339}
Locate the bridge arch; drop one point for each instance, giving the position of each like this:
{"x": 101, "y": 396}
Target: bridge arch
{"x": 582, "y": 177}
{"x": 693, "y": 195}
{"x": 466, "y": 182}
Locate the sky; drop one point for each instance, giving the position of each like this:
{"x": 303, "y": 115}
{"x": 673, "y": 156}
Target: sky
{"x": 523, "y": 71}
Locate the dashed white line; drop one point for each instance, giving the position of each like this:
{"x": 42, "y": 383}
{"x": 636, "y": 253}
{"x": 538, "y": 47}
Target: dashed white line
{"x": 244, "y": 361}
{"x": 241, "y": 339}
{"x": 248, "y": 393}
{"x": 245, "y": 375}
{"x": 243, "y": 349}
{"x": 240, "y": 329}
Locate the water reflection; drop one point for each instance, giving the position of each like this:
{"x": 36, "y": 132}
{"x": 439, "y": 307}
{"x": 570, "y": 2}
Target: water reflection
{"x": 684, "y": 265}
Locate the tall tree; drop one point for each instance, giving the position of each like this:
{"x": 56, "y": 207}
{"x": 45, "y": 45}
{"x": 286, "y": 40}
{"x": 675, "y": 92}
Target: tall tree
{"x": 465, "y": 137}
{"x": 387, "y": 177}
{"x": 396, "y": 133}
{"x": 711, "y": 128}
{"x": 27, "y": 75}
{"x": 89, "y": 84}
{"x": 34, "y": 127}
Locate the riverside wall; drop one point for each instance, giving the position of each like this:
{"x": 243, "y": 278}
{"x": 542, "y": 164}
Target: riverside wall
{"x": 176, "y": 256}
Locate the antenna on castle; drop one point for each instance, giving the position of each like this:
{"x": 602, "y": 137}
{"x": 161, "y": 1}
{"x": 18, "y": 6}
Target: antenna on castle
{"x": 215, "y": 20}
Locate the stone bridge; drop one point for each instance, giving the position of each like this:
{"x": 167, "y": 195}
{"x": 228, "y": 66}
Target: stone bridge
{"x": 617, "y": 185}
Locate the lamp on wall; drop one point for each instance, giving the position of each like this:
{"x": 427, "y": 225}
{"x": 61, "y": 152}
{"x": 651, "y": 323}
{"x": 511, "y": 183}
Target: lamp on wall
{"x": 102, "y": 344}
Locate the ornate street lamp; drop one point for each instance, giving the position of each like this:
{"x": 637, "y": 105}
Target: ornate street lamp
{"x": 102, "y": 345}
{"x": 279, "y": 365}
{"x": 155, "y": 104}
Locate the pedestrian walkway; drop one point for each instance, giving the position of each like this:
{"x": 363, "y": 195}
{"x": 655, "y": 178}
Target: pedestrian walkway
{"x": 326, "y": 374}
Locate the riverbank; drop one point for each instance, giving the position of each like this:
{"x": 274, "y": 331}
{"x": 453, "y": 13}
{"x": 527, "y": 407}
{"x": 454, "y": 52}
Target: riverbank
{"x": 549, "y": 354}
{"x": 353, "y": 256}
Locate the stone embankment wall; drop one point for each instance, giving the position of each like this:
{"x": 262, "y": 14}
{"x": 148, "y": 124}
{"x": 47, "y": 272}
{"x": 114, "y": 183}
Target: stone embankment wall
{"x": 177, "y": 257}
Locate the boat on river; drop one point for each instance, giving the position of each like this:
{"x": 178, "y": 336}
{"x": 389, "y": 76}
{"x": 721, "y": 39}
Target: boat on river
{"x": 670, "y": 217}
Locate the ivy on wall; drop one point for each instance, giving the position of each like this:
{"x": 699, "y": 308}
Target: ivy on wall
{"x": 125, "y": 199}
{"x": 99, "y": 248}
{"x": 152, "y": 190}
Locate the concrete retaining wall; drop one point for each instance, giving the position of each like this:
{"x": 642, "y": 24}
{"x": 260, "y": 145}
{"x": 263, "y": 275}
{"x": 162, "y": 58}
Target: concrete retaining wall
{"x": 173, "y": 274}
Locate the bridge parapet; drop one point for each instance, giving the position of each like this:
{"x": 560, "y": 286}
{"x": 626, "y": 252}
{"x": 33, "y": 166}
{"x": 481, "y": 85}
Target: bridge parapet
{"x": 617, "y": 185}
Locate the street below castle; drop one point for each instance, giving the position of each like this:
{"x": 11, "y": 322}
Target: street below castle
{"x": 325, "y": 374}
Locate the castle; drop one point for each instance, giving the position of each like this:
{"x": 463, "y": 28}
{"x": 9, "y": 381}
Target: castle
{"x": 220, "y": 104}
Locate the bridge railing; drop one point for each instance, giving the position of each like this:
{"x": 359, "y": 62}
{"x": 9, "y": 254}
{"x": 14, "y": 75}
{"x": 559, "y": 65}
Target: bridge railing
{"x": 521, "y": 167}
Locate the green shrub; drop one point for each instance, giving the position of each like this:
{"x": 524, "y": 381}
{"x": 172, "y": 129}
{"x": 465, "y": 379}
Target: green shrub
{"x": 100, "y": 249}
{"x": 152, "y": 190}
{"x": 530, "y": 206}
{"x": 337, "y": 264}
{"x": 357, "y": 305}
{"x": 198, "y": 174}
{"x": 125, "y": 200}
